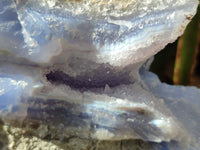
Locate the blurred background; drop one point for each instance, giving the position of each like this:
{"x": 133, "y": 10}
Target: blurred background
{"x": 179, "y": 62}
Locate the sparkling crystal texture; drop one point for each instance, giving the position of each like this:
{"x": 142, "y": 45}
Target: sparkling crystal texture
{"x": 76, "y": 68}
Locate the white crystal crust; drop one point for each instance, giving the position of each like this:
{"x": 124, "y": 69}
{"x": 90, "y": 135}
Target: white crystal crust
{"x": 115, "y": 32}
{"x": 86, "y": 41}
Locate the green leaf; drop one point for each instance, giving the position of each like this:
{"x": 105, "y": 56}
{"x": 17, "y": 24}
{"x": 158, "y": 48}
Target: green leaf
{"x": 186, "y": 52}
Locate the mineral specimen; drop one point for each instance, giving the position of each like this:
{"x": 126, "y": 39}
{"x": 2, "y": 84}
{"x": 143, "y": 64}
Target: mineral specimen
{"x": 73, "y": 69}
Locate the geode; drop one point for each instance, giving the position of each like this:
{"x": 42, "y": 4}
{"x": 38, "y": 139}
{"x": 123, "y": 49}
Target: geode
{"x": 76, "y": 68}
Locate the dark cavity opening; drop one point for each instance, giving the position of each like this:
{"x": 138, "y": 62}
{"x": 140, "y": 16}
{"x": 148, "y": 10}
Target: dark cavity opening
{"x": 86, "y": 82}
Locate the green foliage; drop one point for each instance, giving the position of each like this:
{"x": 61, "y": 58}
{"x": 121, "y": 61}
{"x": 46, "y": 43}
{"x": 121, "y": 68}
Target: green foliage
{"x": 187, "y": 50}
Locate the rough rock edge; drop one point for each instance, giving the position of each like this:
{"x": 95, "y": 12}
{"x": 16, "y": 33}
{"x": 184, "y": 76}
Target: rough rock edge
{"x": 21, "y": 139}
